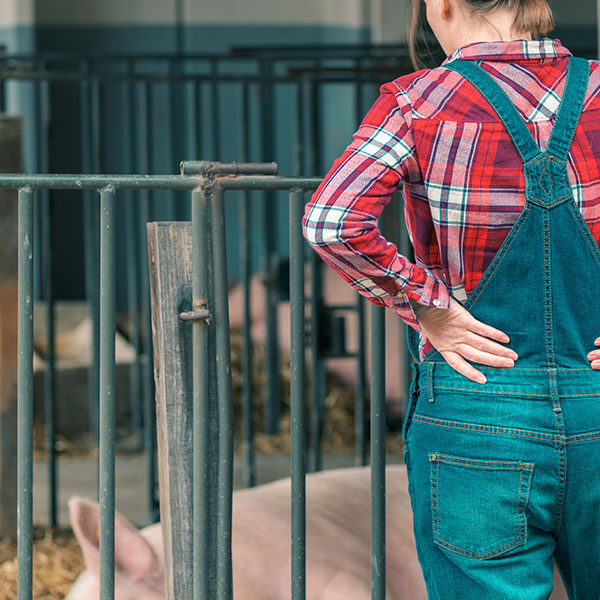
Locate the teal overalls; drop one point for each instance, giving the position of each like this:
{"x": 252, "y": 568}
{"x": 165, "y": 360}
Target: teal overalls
{"x": 505, "y": 476}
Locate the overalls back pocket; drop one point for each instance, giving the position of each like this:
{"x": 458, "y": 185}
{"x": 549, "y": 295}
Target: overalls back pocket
{"x": 478, "y": 505}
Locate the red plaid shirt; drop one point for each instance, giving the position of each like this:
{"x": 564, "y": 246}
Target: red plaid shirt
{"x": 462, "y": 178}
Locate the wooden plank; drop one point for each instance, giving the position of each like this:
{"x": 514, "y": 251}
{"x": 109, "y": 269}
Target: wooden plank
{"x": 10, "y": 162}
{"x": 170, "y": 260}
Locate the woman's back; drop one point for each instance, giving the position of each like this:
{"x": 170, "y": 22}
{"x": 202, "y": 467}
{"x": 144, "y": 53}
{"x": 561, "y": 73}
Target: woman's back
{"x": 464, "y": 184}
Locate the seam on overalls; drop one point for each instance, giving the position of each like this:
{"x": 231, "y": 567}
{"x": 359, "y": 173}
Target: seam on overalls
{"x": 487, "y": 429}
{"x": 547, "y": 286}
{"x": 485, "y": 390}
{"x": 562, "y": 457}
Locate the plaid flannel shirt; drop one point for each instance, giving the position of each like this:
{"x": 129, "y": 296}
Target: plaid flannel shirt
{"x": 462, "y": 179}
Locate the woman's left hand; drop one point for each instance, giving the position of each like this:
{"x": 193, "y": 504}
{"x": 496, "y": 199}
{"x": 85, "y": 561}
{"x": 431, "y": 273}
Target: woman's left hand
{"x": 594, "y": 355}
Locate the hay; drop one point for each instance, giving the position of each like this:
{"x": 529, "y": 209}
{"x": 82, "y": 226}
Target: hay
{"x": 338, "y": 422}
{"x": 57, "y": 561}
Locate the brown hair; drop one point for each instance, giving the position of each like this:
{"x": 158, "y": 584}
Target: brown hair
{"x": 534, "y": 16}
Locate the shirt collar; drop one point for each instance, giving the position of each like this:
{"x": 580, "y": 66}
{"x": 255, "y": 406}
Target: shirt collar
{"x": 512, "y": 50}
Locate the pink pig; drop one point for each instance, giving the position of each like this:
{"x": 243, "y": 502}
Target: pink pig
{"x": 337, "y": 546}
{"x": 336, "y": 292}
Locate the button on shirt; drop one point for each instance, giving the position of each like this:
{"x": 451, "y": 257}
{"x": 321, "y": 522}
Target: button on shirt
{"x": 462, "y": 178}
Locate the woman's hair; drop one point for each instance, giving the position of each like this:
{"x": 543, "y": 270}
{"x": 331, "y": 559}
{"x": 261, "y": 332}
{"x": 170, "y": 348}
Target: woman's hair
{"x": 532, "y": 16}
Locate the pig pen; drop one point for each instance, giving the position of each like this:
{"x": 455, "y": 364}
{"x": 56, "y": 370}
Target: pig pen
{"x": 57, "y": 559}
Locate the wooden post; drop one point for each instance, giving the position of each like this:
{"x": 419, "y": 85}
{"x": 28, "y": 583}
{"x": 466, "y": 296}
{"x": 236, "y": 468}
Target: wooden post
{"x": 170, "y": 262}
{"x": 10, "y": 162}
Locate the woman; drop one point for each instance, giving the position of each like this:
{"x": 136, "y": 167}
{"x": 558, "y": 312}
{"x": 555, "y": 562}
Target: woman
{"x": 500, "y": 164}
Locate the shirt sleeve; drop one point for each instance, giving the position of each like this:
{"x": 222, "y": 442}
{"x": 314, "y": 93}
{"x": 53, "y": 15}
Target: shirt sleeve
{"x": 340, "y": 219}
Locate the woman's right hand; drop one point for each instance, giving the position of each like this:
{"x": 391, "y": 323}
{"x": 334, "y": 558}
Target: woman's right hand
{"x": 457, "y": 335}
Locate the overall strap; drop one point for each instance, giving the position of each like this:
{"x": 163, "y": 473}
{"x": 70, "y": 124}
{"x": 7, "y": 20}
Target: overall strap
{"x": 566, "y": 119}
{"x": 501, "y": 103}
{"x": 569, "y": 109}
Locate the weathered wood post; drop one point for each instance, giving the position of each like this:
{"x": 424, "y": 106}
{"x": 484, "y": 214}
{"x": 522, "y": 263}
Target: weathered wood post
{"x": 10, "y": 162}
{"x": 170, "y": 263}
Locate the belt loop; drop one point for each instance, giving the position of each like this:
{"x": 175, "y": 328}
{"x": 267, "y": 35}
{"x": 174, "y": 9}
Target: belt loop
{"x": 414, "y": 378}
{"x": 430, "y": 381}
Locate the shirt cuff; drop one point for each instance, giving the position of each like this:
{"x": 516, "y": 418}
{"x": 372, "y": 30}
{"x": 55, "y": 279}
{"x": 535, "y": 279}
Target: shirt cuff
{"x": 437, "y": 296}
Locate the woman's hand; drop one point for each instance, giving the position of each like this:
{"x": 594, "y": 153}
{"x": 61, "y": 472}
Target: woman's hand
{"x": 594, "y": 355}
{"x": 455, "y": 333}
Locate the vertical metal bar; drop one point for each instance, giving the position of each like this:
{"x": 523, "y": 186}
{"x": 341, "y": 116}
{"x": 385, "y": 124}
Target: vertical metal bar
{"x": 171, "y": 115}
{"x": 131, "y": 224}
{"x": 360, "y": 443}
{"x": 317, "y": 366}
{"x": 297, "y": 424}
{"x": 377, "y": 452}
{"x": 47, "y": 268}
{"x": 269, "y": 215}
{"x": 221, "y": 320}
{"x": 90, "y": 229}
{"x": 201, "y": 397}
{"x": 199, "y": 147}
{"x": 25, "y": 397}
{"x": 245, "y": 268}
{"x": 215, "y": 112}
{"x": 299, "y": 141}
{"x": 49, "y": 375}
{"x": 107, "y": 392}
{"x": 192, "y": 118}
{"x": 145, "y": 112}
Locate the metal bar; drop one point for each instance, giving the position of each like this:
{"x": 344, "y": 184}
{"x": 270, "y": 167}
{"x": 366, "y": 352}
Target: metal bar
{"x": 378, "y": 583}
{"x": 131, "y": 246}
{"x": 131, "y": 224}
{"x": 49, "y": 375}
{"x": 173, "y": 110}
{"x": 204, "y": 167}
{"x": 214, "y": 106}
{"x": 201, "y": 397}
{"x": 245, "y": 268}
{"x": 268, "y": 207}
{"x": 360, "y": 444}
{"x": 297, "y": 424}
{"x": 25, "y": 397}
{"x": 148, "y": 396}
{"x": 46, "y": 264}
{"x": 107, "y": 392}
{"x": 90, "y": 228}
{"x": 153, "y": 182}
{"x": 225, "y": 479}
{"x": 316, "y": 365}
{"x": 299, "y": 146}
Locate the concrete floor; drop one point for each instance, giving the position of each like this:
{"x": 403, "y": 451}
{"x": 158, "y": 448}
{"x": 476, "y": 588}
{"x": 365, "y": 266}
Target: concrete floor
{"x": 79, "y": 476}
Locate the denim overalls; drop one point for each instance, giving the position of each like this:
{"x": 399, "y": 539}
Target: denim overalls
{"x": 505, "y": 475}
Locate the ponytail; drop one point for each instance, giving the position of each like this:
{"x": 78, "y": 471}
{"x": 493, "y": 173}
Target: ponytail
{"x": 532, "y": 16}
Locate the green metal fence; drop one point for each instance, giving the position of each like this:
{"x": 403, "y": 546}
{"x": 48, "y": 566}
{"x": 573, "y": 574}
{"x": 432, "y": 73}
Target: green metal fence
{"x": 207, "y": 185}
{"x": 118, "y": 105}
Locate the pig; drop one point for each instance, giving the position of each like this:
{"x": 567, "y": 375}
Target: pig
{"x": 336, "y": 292}
{"x": 337, "y": 544}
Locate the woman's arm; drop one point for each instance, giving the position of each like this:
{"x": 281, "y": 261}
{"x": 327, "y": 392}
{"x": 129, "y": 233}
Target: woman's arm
{"x": 340, "y": 220}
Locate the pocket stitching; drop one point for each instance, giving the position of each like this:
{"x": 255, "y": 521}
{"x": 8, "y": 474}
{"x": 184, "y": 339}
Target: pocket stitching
{"x": 486, "y": 464}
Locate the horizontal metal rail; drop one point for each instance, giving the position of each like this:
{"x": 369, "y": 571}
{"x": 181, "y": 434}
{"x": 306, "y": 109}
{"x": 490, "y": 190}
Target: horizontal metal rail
{"x": 158, "y": 182}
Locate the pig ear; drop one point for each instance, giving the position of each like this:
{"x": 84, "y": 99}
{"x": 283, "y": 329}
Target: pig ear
{"x": 133, "y": 554}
